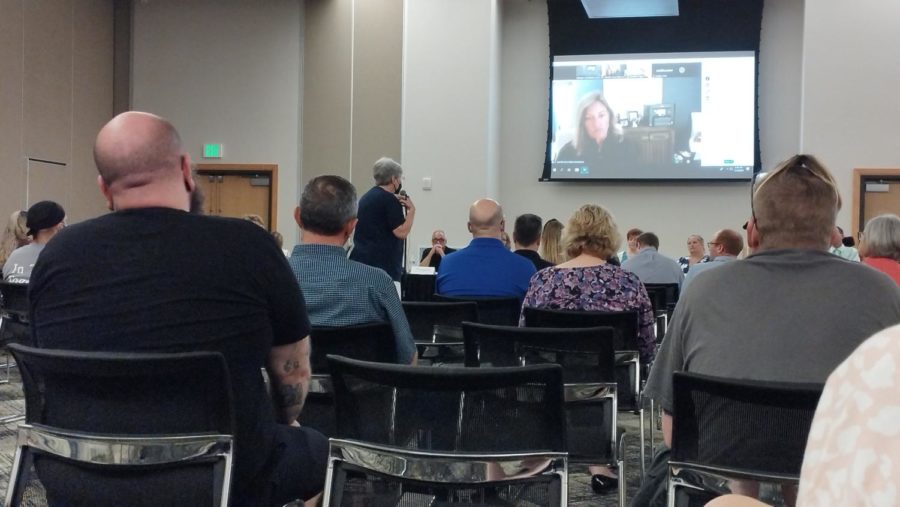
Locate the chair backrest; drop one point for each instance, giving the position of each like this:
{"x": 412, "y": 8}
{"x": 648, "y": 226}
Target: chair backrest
{"x": 365, "y": 474}
{"x": 450, "y": 409}
{"x": 369, "y": 342}
{"x": 586, "y": 354}
{"x": 417, "y": 287}
{"x": 14, "y": 300}
{"x": 625, "y": 323}
{"x": 502, "y": 311}
{"x": 110, "y": 399}
{"x": 758, "y": 428}
{"x": 662, "y": 295}
{"x": 423, "y": 316}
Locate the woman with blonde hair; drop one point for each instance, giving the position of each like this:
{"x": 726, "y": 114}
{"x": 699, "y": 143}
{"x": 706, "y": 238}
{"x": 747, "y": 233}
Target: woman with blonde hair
{"x": 551, "y": 242}
{"x": 15, "y": 235}
{"x": 588, "y": 282}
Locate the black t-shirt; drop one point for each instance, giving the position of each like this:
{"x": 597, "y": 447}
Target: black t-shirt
{"x": 535, "y": 259}
{"x": 163, "y": 280}
{"x": 436, "y": 259}
{"x": 374, "y": 242}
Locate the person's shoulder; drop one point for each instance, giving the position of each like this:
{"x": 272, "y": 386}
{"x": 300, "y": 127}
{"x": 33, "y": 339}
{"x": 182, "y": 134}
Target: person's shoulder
{"x": 369, "y": 274}
{"x": 567, "y": 152}
{"x": 517, "y": 261}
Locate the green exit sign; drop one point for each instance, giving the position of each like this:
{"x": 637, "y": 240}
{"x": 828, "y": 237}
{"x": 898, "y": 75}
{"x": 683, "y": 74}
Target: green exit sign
{"x": 212, "y": 151}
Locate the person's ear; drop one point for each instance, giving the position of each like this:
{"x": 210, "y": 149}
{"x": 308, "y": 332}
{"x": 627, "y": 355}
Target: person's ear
{"x": 297, "y": 217}
{"x": 105, "y": 191}
{"x": 187, "y": 174}
{"x": 469, "y": 226}
{"x": 349, "y": 227}
{"x": 753, "y": 238}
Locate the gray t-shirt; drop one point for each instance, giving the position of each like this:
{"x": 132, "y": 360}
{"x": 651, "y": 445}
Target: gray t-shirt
{"x": 18, "y": 267}
{"x": 653, "y": 267}
{"x": 785, "y": 315}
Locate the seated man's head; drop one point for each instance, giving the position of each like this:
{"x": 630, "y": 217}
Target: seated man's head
{"x": 44, "y": 219}
{"x": 142, "y": 163}
{"x": 646, "y": 239}
{"x": 631, "y": 237}
{"x": 794, "y": 206}
{"x": 726, "y": 242}
{"x": 438, "y": 238}
{"x": 527, "y": 232}
{"x": 327, "y": 211}
{"x": 591, "y": 231}
{"x": 486, "y": 219}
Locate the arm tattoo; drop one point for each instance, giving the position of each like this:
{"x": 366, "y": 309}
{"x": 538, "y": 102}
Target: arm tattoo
{"x": 290, "y": 395}
{"x": 291, "y": 365}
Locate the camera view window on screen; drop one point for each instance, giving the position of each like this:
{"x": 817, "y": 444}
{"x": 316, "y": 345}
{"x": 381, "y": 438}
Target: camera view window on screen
{"x": 662, "y": 116}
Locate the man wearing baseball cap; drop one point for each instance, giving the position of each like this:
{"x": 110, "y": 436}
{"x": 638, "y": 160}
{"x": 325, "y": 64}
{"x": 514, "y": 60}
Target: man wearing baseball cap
{"x": 44, "y": 220}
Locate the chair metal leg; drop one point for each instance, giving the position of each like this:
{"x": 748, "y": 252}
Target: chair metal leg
{"x": 652, "y": 427}
{"x": 622, "y": 483}
{"x": 643, "y": 443}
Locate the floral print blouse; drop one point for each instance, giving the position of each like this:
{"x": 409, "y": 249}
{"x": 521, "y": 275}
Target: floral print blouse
{"x": 603, "y": 288}
{"x": 685, "y": 262}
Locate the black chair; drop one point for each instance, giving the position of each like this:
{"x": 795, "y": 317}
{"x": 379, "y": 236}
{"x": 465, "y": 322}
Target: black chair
{"x": 628, "y": 366}
{"x": 417, "y": 287}
{"x": 499, "y": 311}
{"x": 736, "y": 429}
{"x": 124, "y": 429}
{"x": 663, "y": 297}
{"x": 365, "y": 474}
{"x": 450, "y": 409}
{"x": 587, "y": 356}
{"x": 14, "y": 324}
{"x": 370, "y": 342}
{"x": 437, "y": 328}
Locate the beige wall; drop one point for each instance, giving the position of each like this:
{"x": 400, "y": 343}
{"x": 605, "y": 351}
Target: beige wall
{"x": 55, "y": 94}
{"x": 850, "y": 82}
{"x": 226, "y": 71}
{"x": 351, "y": 87}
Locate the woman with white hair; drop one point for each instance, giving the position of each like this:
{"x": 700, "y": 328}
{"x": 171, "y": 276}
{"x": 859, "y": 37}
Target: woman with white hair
{"x": 880, "y": 245}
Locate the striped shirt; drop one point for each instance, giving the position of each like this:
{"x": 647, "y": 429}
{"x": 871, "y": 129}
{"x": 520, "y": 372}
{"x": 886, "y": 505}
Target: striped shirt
{"x": 340, "y": 292}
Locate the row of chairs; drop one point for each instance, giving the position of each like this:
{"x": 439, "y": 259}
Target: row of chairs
{"x": 144, "y": 443}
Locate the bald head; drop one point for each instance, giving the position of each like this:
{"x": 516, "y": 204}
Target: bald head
{"x": 137, "y": 149}
{"x": 486, "y": 219}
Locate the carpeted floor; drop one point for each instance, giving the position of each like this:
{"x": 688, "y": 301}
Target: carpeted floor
{"x": 580, "y": 493}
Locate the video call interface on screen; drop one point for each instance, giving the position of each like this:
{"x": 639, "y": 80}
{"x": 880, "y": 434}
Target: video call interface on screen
{"x": 662, "y": 116}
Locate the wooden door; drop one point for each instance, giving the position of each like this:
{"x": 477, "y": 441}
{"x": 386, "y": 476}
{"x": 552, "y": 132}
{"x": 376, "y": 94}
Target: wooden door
{"x": 875, "y": 192}
{"x": 236, "y": 190}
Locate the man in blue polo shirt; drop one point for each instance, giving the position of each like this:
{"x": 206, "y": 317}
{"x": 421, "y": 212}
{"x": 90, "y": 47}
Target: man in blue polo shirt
{"x": 485, "y": 267}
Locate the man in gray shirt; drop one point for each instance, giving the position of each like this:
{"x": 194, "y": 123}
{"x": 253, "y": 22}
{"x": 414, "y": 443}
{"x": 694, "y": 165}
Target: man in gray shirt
{"x": 45, "y": 219}
{"x": 791, "y": 312}
{"x": 650, "y": 265}
{"x": 725, "y": 246}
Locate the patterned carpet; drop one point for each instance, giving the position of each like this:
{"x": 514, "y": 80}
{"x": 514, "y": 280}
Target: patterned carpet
{"x": 580, "y": 493}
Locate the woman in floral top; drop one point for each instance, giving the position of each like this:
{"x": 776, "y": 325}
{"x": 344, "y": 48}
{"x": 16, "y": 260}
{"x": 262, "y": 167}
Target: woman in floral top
{"x": 588, "y": 282}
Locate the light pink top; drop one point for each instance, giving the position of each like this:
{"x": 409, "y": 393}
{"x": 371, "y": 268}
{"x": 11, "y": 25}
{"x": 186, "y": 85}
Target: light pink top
{"x": 853, "y": 452}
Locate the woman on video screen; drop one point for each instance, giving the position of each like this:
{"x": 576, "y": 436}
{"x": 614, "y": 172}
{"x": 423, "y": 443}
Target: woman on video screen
{"x": 598, "y": 141}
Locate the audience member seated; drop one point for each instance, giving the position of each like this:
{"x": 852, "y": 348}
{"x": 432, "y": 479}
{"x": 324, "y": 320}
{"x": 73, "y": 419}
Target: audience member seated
{"x": 880, "y": 245}
{"x": 433, "y": 256}
{"x": 838, "y": 248}
{"x": 630, "y": 244}
{"x": 151, "y": 277}
{"x": 527, "y": 239}
{"x": 551, "y": 242}
{"x": 485, "y": 268}
{"x": 588, "y": 282}
{"x": 650, "y": 265}
{"x": 725, "y": 246}
{"x": 44, "y": 220}
{"x": 338, "y": 291}
{"x": 791, "y": 312}
{"x": 696, "y": 253}
{"x": 15, "y": 235}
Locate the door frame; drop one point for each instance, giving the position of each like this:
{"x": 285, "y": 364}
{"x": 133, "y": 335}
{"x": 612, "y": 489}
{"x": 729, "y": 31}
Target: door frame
{"x": 270, "y": 169}
{"x": 860, "y": 174}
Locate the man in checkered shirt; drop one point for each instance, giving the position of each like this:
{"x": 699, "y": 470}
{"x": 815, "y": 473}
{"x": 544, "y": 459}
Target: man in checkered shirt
{"x": 338, "y": 291}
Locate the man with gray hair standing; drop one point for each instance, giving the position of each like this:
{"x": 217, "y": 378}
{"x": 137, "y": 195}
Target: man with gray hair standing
{"x": 382, "y": 226}
{"x": 338, "y": 291}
